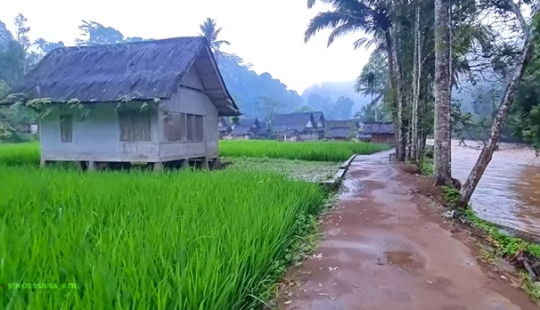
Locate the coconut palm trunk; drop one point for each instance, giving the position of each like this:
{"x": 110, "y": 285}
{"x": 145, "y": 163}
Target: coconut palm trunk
{"x": 392, "y": 88}
{"x": 417, "y": 71}
{"x": 442, "y": 134}
{"x": 399, "y": 98}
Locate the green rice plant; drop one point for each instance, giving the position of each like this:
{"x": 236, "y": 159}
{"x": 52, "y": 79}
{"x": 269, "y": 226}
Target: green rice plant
{"x": 17, "y": 154}
{"x": 332, "y": 151}
{"x": 141, "y": 240}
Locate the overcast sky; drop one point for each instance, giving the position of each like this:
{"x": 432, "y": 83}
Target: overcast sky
{"x": 269, "y": 34}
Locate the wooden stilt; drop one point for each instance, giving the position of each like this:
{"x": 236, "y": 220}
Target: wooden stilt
{"x": 184, "y": 164}
{"x": 82, "y": 165}
{"x": 215, "y": 164}
{"x": 158, "y": 167}
{"x": 204, "y": 164}
{"x": 43, "y": 163}
{"x": 91, "y": 166}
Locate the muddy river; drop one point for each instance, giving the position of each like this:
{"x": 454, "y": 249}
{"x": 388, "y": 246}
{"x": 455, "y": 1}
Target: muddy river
{"x": 509, "y": 192}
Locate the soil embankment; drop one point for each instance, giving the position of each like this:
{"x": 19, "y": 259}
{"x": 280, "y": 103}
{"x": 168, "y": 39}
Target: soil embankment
{"x": 386, "y": 248}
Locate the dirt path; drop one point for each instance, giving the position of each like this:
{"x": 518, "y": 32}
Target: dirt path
{"x": 386, "y": 249}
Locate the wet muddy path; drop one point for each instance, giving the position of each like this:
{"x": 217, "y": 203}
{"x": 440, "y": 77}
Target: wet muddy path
{"x": 509, "y": 192}
{"x": 386, "y": 249}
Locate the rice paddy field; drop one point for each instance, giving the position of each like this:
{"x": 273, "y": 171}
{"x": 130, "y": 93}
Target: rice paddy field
{"x": 173, "y": 240}
{"x": 331, "y": 151}
{"x": 321, "y": 151}
{"x": 183, "y": 240}
{"x": 17, "y": 154}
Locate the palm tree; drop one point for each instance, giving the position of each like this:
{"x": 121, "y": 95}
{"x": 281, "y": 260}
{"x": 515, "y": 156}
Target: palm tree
{"x": 372, "y": 17}
{"x": 350, "y": 16}
{"x": 368, "y": 84}
{"x": 210, "y": 31}
{"x": 370, "y": 112}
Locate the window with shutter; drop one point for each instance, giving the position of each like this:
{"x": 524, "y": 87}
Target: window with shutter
{"x": 66, "y": 128}
{"x": 135, "y": 126}
{"x": 183, "y": 127}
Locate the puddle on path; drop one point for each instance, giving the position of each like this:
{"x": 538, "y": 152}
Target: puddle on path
{"x": 401, "y": 259}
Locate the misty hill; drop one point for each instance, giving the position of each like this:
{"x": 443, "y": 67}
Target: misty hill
{"x": 334, "y": 90}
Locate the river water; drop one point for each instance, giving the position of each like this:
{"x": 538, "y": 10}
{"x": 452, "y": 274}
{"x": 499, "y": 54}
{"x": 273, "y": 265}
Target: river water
{"x": 509, "y": 192}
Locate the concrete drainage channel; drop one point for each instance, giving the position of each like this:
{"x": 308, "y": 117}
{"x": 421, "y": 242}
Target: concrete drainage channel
{"x": 335, "y": 182}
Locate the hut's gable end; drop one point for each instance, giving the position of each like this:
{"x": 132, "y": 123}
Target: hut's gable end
{"x": 100, "y": 136}
{"x": 189, "y": 122}
{"x": 191, "y": 79}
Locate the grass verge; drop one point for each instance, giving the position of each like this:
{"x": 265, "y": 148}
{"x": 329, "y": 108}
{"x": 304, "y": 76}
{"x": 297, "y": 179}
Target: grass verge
{"x": 187, "y": 240}
{"x": 505, "y": 245}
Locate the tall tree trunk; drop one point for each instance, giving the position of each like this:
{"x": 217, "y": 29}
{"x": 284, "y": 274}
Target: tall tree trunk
{"x": 421, "y": 130}
{"x": 409, "y": 142}
{"x": 487, "y": 151}
{"x": 450, "y": 80}
{"x": 392, "y": 83}
{"x": 376, "y": 109}
{"x": 400, "y": 98}
{"x": 417, "y": 70}
{"x": 442, "y": 135}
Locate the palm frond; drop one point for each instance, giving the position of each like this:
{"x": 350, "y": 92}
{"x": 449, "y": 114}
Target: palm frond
{"x": 222, "y": 42}
{"x": 367, "y": 42}
{"x": 342, "y": 30}
{"x": 330, "y": 19}
{"x": 348, "y": 5}
{"x": 369, "y": 16}
{"x": 216, "y": 33}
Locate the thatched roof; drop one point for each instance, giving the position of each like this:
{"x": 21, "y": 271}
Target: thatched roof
{"x": 263, "y": 129}
{"x": 319, "y": 116}
{"x": 296, "y": 121}
{"x": 290, "y": 132}
{"x": 378, "y": 128}
{"x": 245, "y": 126}
{"x": 349, "y": 123}
{"x": 139, "y": 71}
{"x": 339, "y": 133}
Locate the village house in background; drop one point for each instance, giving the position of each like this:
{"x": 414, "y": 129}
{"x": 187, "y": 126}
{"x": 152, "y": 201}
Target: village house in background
{"x": 224, "y": 127}
{"x": 246, "y": 129}
{"x": 155, "y": 102}
{"x": 342, "y": 129}
{"x": 309, "y": 126}
{"x": 378, "y": 132}
{"x": 320, "y": 121}
{"x": 298, "y": 126}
